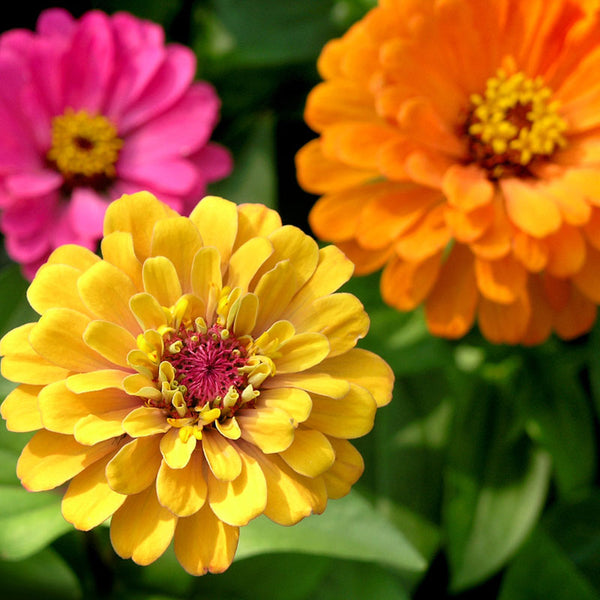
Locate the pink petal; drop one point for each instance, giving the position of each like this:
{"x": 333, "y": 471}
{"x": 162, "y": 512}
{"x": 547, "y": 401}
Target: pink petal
{"x": 214, "y": 162}
{"x": 29, "y": 249}
{"x": 86, "y": 213}
{"x": 181, "y": 130}
{"x": 88, "y": 65}
{"x": 33, "y": 183}
{"x": 174, "y": 176}
{"x": 166, "y": 87}
{"x": 26, "y": 216}
{"x": 55, "y": 22}
{"x": 133, "y": 33}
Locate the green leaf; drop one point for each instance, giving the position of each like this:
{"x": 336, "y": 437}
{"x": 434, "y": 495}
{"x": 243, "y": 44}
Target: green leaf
{"x": 560, "y": 418}
{"x": 44, "y": 575}
{"x": 350, "y": 528}
{"x": 253, "y": 178}
{"x": 496, "y": 483}
{"x": 564, "y": 555}
{"x": 264, "y": 32}
{"x": 14, "y": 308}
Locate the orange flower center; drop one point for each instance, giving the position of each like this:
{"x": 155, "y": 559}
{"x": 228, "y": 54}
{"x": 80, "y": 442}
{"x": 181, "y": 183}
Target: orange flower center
{"x": 84, "y": 149}
{"x": 512, "y": 124}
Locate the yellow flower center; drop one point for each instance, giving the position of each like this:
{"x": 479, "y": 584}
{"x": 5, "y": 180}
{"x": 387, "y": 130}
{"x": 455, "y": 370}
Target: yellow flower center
{"x": 514, "y": 122}
{"x": 84, "y": 148}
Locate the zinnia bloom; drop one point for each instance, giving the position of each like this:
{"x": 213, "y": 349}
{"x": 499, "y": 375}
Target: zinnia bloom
{"x": 200, "y": 374}
{"x": 92, "y": 109}
{"x": 459, "y": 149}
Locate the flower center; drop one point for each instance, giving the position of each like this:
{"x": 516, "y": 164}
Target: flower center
{"x": 208, "y": 365}
{"x": 85, "y": 148}
{"x": 512, "y": 124}
{"x": 203, "y": 374}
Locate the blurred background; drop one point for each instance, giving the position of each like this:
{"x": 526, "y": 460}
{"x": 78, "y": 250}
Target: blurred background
{"x": 481, "y": 476}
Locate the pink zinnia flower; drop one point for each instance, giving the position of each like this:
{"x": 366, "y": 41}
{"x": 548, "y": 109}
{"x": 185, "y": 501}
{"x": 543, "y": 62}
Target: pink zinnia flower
{"x": 91, "y": 109}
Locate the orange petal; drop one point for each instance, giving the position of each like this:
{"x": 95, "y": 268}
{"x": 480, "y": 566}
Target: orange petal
{"x": 391, "y": 212}
{"x": 495, "y": 242}
{"x": 450, "y": 307}
{"x": 404, "y": 284}
{"x": 541, "y": 317}
{"x": 500, "y": 280}
{"x": 587, "y": 279}
{"x": 530, "y": 208}
{"x": 142, "y": 529}
{"x": 557, "y": 291}
{"x": 531, "y": 252}
{"x": 366, "y": 261}
{"x": 426, "y": 238}
{"x": 592, "y": 229}
{"x": 504, "y": 323}
{"x": 467, "y": 187}
{"x": 203, "y": 543}
{"x": 567, "y": 250}
{"x": 576, "y": 318}
{"x": 469, "y": 226}
{"x": 319, "y": 174}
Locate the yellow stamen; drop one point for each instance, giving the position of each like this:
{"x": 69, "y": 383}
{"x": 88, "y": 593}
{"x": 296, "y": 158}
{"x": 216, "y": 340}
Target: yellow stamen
{"x": 515, "y": 121}
{"x": 84, "y": 145}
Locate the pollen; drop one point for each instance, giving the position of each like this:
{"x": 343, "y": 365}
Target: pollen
{"x": 513, "y": 123}
{"x": 84, "y": 147}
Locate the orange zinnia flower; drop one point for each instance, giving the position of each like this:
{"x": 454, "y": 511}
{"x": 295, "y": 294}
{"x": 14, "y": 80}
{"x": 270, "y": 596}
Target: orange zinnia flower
{"x": 203, "y": 372}
{"x": 459, "y": 147}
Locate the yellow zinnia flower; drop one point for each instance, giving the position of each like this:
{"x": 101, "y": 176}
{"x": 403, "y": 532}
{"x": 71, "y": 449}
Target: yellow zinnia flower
{"x": 458, "y": 150}
{"x": 200, "y": 374}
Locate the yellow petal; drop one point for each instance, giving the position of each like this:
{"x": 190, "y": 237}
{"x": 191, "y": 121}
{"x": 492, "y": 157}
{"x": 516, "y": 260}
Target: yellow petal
{"x": 217, "y": 221}
{"x": 206, "y": 277}
{"x": 89, "y": 500}
{"x": 97, "y": 380}
{"x": 96, "y": 428}
{"x": 296, "y": 403}
{"x": 255, "y": 220}
{"x": 274, "y": 290}
{"x": 292, "y": 243}
{"x": 110, "y": 340}
{"x": 73, "y": 255}
{"x": 106, "y": 290}
{"x": 341, "y": 317}
{"x": 144, "y": 421}
{"x": 22, "y": 363}
{"x": 318, "y": 383}
{"x": 55, "y": 286}
{"x": 310, "y": 454}
{"x": 52, "y": 401}
{"x": 239, "y": 501}
{"x": 203, "y": 543}
{"x": 139, "y": 385}
{"x": 50, "y": 459}
{"x": 346, "y": 469}
{"x": 142, "y": 529}
{"x": 175, "y": 451}
{"x": 136, "y": 214}
{"x": 301, "y": 352}
{"x": 161, "y": 281}
{"x": 222, "y": 457}
{"x": 245, "y": 318}
{"x": 271, "y": 429}
{"x": 246, "y": 261}
{"x": 182, "y": 491}
{"x": 20, "y": 409}
{"x": 134, "y": 467}
{"x": 333, "y": 270}
{"x": 290, "y": 496}
{"x": 348, "y": 417}
{"x": 365, "y": 369}
{"x": 147, "y": 311}
{"x": 178, "y": 239}
{"x": 58, "y": 337}
{"x": 117, "y": 249}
